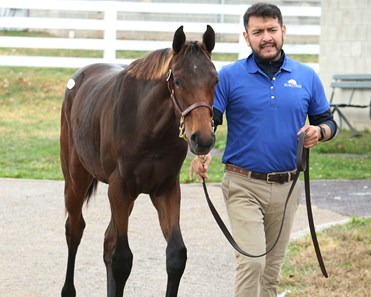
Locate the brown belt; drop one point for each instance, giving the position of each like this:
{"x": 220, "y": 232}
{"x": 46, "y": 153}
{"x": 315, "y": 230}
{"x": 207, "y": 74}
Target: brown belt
{"x": 271, "y": 178}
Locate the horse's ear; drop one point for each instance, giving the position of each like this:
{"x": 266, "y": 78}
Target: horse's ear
{"x": 179, "y": 39}
{"x": 209, "y": 38}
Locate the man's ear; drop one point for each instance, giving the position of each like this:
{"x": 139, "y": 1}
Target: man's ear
{"x": 246, "y": 37}
{"x": 284, "y": 31}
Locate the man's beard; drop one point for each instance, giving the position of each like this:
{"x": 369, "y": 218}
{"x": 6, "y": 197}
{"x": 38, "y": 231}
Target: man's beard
{"x": 269, "y": 59}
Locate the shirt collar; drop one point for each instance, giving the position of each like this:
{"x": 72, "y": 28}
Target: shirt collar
{"x": 254, "y": 68}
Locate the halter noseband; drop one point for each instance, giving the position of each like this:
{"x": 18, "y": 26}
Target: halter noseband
{"x": 185, "y": 112}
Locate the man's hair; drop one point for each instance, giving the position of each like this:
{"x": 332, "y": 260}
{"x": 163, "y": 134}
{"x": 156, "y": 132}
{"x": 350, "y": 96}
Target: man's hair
{"x": 262, "y": 9}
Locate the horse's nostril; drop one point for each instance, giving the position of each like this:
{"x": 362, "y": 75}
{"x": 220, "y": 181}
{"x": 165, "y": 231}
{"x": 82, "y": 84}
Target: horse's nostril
{"x": 202, "y": 145}
{"x": 194, "y": 138}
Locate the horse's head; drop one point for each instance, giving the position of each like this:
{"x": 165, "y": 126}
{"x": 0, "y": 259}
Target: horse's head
{"x": 191, "y": 80}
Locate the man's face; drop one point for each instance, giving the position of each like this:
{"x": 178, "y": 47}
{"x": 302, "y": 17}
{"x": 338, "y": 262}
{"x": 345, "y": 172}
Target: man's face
{"x": 265, "y": 37}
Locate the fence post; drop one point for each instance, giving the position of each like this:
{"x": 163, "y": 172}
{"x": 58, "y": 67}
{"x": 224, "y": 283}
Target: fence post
{"x": 110, "y": 27}
{"x": 243, "y": 51}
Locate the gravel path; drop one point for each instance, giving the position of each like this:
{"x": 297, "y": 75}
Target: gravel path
{"x": 33, "y": 252}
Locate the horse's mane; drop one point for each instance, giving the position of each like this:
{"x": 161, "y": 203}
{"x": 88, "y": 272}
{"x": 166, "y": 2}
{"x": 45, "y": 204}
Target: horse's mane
{"x": 156, "y": 64}
{"x": 152, "y": 66}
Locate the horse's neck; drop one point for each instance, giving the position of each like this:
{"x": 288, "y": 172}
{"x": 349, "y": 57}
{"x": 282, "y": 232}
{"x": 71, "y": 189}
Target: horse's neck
{"x": 149, "y": 107}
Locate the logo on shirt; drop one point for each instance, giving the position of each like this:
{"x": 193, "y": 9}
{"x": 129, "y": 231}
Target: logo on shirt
{"x": 291, "y": 83}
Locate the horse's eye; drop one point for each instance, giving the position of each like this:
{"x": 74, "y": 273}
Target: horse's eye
{"x": 217, "y": 80}
{"x": 177, "y": 83}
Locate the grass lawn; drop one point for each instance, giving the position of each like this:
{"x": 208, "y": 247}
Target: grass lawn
{"x": 30, "y": 102}
{"x": 346, "y": 250}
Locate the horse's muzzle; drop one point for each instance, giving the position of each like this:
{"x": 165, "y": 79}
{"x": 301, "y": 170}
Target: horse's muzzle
{"x": 201, "y": 144}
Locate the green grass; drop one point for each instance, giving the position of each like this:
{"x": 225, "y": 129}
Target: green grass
{"x": 344, "y": 157}
{"x": 345, "y": 250}
{"x": 30, "y": 102}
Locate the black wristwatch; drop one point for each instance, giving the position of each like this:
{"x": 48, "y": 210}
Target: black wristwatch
{"x": 323, "y": 133}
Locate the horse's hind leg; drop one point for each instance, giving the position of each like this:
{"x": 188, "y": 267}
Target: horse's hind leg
{"x": 79, "y": 185}
{"x": 168, "y": 208}
{"x": 75, "y": 226}
{"x": 75, "y": 192}
{"x": 117, "y": 254}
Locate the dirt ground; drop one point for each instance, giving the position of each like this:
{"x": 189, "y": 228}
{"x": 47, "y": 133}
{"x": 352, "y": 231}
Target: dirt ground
{"x": 33, "y": 251}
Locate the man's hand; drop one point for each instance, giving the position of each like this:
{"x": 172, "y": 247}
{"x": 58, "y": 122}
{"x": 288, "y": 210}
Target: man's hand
{"x": 200, "y": 165}
{"x": 312, "y": 135}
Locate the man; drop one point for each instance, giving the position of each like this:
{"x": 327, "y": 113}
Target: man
{"x": 267, "y": 98}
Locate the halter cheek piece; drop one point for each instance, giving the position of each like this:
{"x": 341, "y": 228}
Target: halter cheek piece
{"x": 184, "y": 113}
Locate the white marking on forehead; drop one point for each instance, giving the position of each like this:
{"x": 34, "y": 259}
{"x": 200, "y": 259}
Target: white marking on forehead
{"x": 195, "y": 68}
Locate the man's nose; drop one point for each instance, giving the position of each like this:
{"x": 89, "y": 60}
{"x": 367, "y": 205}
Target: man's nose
{"x": 266, "y": 36}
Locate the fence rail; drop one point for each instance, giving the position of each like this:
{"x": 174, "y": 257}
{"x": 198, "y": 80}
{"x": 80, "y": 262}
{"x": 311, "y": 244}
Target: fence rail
{"x": 107, "y": 18}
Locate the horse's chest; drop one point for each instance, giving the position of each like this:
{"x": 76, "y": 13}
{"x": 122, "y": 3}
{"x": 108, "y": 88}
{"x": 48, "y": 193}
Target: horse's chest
{"x": 151, "y": 172}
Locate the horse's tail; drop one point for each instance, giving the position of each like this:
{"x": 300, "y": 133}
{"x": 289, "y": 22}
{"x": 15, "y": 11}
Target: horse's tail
{"x": 91, "y": 190}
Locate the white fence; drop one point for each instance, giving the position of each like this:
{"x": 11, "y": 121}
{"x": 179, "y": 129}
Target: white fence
{"x": 110, "y": 24}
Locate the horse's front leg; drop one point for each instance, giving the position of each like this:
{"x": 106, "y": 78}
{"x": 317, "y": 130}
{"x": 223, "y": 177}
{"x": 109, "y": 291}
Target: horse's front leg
{"x": 168, "y": 208}
{"x": 118, "y": 257}
{"x": 176, "y": 258}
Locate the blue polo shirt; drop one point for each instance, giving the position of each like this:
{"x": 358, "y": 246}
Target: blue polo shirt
{"x": 264, "y": 115}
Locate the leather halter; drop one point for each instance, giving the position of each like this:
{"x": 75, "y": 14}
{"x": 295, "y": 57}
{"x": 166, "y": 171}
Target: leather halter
{"x": 185, "y": 112}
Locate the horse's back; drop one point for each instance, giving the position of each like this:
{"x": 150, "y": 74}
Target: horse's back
{"x": 89, "y": 79}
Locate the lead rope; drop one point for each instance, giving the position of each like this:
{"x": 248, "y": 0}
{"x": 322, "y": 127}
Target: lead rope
{"x": 302, "y": 161}
{"x": 310, "y": 217}
{"x": 228, "y": 235}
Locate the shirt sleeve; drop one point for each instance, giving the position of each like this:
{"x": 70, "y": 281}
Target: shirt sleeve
{"x": 319, "y": 103}
{"x": 221, "y": 91}
{"x": 325, "y": 118}
{"x": 217, "y": 118}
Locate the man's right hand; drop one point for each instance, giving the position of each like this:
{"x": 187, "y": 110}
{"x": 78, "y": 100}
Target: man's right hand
{"x": 200, "y": 166}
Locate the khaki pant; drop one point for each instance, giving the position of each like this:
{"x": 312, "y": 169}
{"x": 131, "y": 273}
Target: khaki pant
{"x": 255, "y": 210}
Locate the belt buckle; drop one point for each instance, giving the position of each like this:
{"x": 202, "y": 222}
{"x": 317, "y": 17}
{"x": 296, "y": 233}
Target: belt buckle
{"x": 267, "y": 179}
{"x": 288, "y": 177}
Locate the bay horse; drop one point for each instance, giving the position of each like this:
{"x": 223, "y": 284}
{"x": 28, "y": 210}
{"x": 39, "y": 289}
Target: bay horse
{"x": 120, "y": 126}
